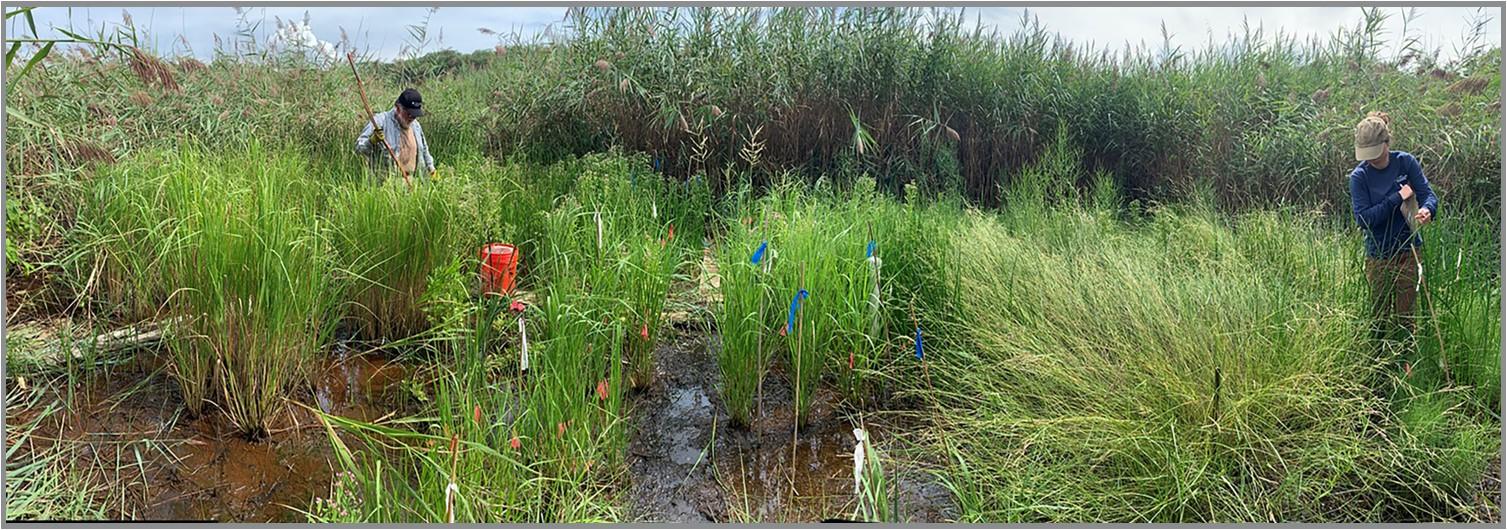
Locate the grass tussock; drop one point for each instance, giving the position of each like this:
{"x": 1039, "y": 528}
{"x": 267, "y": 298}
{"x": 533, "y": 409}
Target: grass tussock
{"x": 1182, "y": 370}
{"x": 241, "y": 271}
{"x": 388, "y": 240}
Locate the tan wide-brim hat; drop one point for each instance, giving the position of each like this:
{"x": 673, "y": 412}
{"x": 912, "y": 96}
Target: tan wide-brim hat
{"x": 1371, "y": 138}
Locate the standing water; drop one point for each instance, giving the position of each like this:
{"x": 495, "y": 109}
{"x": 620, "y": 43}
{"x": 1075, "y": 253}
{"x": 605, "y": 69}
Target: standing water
{"x": 126, "y": 429}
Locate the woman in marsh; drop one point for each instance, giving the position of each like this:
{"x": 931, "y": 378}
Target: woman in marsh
{"x": 1391, "y": 200}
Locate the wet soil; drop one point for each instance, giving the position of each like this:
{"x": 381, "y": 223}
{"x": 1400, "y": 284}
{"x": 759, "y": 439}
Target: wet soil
{"x": 27, "y": 297}
{"x": 690, "y": 464}
{"x": 127, "y": 430}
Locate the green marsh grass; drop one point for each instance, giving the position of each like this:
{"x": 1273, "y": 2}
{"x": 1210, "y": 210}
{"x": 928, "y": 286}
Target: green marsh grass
{"x": 743, "y": 320}
{"x": 622, "y": 251}
{"x": 389, "y": 240}
{"x": 253, "y": 291}
{"x": 1182, "y": 368}
{"x": 872, "y": 489}
{"x": 543, "y": 448}
{"x": 808, "y": 264}
{"x": 127, "y": 223}
{"x": 725, "y": 98}
{"x": 644, "y": 276}
{"x": 229, "y": 250}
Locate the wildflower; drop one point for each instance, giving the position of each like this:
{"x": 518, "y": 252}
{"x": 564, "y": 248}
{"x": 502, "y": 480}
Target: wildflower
{"x": 476, "y": 414}
{"x": 644, "y": 332}
{"x": 870, "y": 252}
{"x": 602, "y": 390}
{"x": 560, "y": 429}
{"x": 515, "y": 443}
{"x": 850, "y": 360}
{"x": 516, "y": 306}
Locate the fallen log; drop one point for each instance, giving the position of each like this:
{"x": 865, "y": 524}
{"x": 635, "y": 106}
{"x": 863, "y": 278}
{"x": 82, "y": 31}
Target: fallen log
{"x": 127, "y": 338}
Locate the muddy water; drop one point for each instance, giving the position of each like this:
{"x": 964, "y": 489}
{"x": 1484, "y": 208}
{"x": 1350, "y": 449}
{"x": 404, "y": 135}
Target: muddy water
{"x": 127, "y": 430}
{"x": 689, "y": 464}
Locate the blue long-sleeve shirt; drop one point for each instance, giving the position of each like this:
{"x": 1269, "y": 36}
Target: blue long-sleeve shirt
{"x": 1376, "y": 199}
{"x": 392, "y": 131}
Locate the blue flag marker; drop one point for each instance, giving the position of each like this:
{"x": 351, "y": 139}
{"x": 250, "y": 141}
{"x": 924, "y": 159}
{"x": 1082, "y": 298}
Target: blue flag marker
{"x": 870, "y": 252}
{"x": 795, "y": 304}
{"x": 919, "y": 347}
{"x": 759, "y": 254}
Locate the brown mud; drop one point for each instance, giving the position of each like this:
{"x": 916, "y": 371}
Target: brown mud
{"x": 690, "y": 464}
{"x": 126, "y": 429}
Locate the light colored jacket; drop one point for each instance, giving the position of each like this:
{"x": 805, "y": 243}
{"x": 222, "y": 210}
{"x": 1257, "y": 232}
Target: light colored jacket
{"x": 391, "y": 132}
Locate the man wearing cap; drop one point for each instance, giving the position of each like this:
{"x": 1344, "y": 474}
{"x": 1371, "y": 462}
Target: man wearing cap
{"x": 1391, "y": 199}
{"x": 401, "y": 131}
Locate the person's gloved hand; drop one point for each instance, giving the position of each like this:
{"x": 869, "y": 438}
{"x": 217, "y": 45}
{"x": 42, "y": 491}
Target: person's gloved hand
{"x": 377, "y": 137}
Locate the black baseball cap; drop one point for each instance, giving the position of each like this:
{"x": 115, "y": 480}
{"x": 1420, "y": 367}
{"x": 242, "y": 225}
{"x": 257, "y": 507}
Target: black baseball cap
{"x": 412, "y": 102}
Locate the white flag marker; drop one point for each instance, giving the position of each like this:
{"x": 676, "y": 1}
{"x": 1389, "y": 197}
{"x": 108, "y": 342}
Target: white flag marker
{"x": 523, "y": 357}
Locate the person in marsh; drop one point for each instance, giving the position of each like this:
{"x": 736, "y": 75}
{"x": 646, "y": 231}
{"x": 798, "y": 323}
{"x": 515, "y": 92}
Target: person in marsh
{"x": 1391, "y": 199}
{"x": 400, "y": 130}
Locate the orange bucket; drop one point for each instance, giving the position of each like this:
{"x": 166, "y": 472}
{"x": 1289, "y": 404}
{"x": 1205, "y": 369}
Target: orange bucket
{"x": 499, "y": 268}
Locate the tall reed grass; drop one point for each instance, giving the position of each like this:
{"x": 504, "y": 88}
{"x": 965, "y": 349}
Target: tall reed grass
{"x": 943, "y": 103}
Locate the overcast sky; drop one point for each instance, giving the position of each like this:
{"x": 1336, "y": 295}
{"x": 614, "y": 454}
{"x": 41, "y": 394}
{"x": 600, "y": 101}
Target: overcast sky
{"x": 383, "y": 30}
